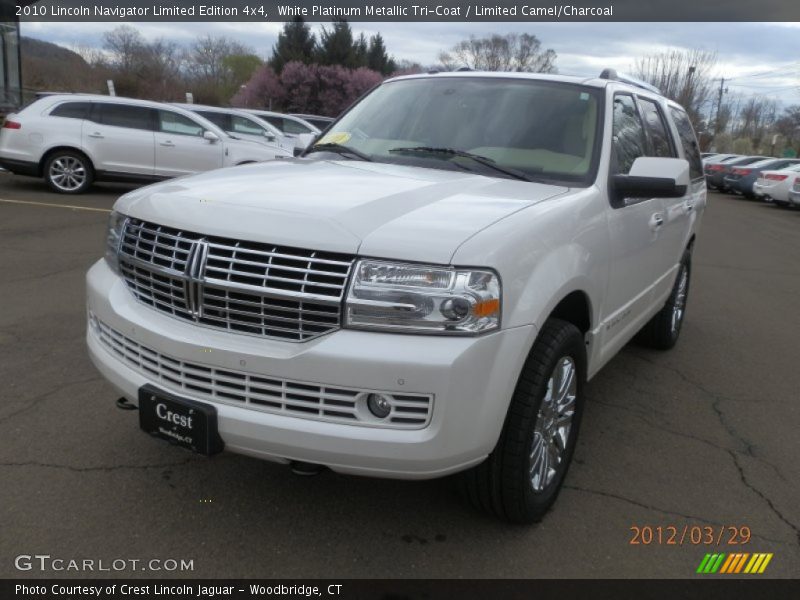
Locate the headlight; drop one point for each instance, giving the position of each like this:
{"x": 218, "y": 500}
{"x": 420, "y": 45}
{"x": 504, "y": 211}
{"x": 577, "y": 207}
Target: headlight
{"x": 422, "y": 299}
{"x": 116, "y": 226}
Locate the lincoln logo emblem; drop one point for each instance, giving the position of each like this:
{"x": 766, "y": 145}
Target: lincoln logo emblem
{"x": 195, "y": 276}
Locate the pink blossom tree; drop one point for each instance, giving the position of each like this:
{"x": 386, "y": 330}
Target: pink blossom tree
{"x": 307, "y": 88}
{"x": 264, "y": 89}
{"x": 301, "y": 83}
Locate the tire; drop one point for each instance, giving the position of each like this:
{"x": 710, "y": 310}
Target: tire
{"x": 511, "y": 483}
{"x": 663, "y": 330}
{"x": 68, "y": 172}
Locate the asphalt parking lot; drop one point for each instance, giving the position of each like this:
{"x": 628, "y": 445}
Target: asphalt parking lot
{"x": 704, "y": 435}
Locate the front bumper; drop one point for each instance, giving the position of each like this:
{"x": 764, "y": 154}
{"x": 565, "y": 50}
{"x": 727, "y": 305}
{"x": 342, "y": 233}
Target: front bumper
{"x": 471, "y": 380}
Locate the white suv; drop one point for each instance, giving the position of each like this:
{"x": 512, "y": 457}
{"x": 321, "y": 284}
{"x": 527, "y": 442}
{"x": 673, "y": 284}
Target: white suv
{"x": 302, "y": 132}
{"x": 73, "y": 140}
{"x": 243, "y": 125}
{"x": 427, "y": 291}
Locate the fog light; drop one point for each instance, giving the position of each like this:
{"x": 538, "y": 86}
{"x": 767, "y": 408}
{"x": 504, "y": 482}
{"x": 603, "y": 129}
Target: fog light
{"x": 379, "y": 405}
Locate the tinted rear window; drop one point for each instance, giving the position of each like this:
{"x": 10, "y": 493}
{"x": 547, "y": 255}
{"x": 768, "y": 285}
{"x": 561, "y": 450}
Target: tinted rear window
{"x": 654, "y": 122}
{"x": 72, "y": 110}
{"x": 124, "y": 115}
{"x": 221, "y": 120}
{"x": 688, "y": 141}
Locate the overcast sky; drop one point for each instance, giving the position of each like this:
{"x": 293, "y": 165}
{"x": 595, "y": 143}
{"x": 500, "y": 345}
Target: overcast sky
{"x": 758, "y": 57}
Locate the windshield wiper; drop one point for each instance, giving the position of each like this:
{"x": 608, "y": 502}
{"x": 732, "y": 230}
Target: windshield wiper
{"x": 339, "y": 149}
{"x": 483, "y": 160}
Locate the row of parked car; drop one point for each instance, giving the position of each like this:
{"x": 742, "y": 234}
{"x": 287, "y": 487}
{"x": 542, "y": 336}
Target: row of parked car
{"x": 72, "y": 140}
{"x": 775, "y": 180}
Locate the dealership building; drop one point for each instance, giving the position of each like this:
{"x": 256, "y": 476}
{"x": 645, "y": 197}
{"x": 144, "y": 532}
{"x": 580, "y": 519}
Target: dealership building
{"x": 10, "y": 63}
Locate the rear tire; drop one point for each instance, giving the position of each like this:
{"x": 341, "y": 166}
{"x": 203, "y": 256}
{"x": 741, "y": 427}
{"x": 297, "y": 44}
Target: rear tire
{"x": 663, "y": 330}
{"x": 68, "y": 172}
{"x": 521, "y": 478}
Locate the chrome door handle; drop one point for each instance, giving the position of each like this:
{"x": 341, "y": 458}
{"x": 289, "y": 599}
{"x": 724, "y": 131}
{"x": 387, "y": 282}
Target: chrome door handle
{"x": 656, "y": 221}
{"x": 689, "y": 205}
{"x": 97, "y": 135}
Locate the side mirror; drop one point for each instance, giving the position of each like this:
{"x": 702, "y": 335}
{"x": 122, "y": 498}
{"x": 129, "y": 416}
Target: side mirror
{"x": 210, "y": 136}
{"x": 270, "y": 136}
{"x": 653, "y": 177}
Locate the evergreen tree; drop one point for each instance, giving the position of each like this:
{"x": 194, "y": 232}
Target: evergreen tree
{"x": 377, "y": 58}
{"x": 295, "y": 43}
{"x": 336, "y": 45}
{"x": 360, "y": 52}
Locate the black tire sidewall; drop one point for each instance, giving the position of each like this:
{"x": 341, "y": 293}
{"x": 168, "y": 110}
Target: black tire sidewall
{"x": 528, "y": 400}
{"x": 87, "y": 165}
{"x": 686, "y": 264}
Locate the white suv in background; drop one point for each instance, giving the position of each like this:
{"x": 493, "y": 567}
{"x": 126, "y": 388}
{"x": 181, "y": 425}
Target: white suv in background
{"x": 302, "y": 132}
{"x": 73, "y": 140}
{"x": 427, "y": 291}
{"x": 243, "y": 125}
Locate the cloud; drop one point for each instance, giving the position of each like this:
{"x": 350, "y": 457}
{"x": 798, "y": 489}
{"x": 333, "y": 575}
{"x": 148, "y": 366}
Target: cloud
{"x": 743, "y": 49}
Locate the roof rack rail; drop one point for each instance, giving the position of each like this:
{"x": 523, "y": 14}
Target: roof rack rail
{"x": 612, "y": 74}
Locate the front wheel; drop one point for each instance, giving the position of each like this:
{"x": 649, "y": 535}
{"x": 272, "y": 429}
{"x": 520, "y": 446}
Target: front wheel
{"x": 68, "y": 172}
{"x": 521, "y": 478}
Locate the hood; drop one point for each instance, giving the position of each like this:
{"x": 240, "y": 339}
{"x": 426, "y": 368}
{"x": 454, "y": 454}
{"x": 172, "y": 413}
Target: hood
{"x": 353, "y": 207}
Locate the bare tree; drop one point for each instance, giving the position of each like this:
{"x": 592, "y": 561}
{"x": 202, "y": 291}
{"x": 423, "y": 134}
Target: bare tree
{"x": 756, "y": 119}
{"x": 510, "y": 52}
{"x": 208, "y": 68}
{"x": 682, "y": 75}
{"x": 126, "y": 47}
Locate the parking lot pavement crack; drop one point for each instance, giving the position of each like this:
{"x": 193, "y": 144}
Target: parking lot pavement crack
{"x": 764, "y": 497}
{"x": 101, "y": 468}
{"x": 36, "y": 400}
{"x": 748, "y": 447}
{"x": 661, "y": 427}
{"x": 663, "y": 511}
{"x": 715, "y": 404}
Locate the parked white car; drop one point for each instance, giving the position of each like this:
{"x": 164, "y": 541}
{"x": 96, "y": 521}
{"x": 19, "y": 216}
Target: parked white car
{"x": 244, "y": 125}
{"x": 302, "y": 132}
{"x": 73, "y": 140}
{"x": 774, "y": 186}
{"x": 426, "y": 292}
{"x": 794, "y": 193}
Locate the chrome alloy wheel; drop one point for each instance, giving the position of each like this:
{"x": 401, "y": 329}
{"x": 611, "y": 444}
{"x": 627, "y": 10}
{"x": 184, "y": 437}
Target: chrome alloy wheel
{"x": 679, "y": 304}
{"x": 67, "y": 173}
{"x": 553, "y": 424}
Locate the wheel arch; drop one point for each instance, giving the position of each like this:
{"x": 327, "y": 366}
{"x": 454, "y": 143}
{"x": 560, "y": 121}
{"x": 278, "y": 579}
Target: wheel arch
{"x": 50, "y": 151}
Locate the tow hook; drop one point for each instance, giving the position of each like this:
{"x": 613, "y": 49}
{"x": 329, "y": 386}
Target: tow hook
{"x": 123, "y": 404}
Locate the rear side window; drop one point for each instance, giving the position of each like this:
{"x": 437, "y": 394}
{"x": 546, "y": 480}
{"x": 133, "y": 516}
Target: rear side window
{"x": 221, "y": 120}
{"x": 72, "y": 110}
{"x": 628, "y": 142}
{"x": 290, "y": 126}
{"x": 170, "y": 122}
{"x": 124, "y": 115}
{"x": 689, "y": 142}
{"x": 245, "y": 126}
{"x": 277, "y": 121}
{"x": 656, "y": 128}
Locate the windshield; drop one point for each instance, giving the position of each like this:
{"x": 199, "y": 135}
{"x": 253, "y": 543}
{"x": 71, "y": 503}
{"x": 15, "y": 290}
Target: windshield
{"x": 544, "y": 130}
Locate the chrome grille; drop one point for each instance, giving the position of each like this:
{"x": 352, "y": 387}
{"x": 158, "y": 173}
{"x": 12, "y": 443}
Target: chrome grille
{"x": 246, "y": 287}
{"x": 262, "y": 392}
